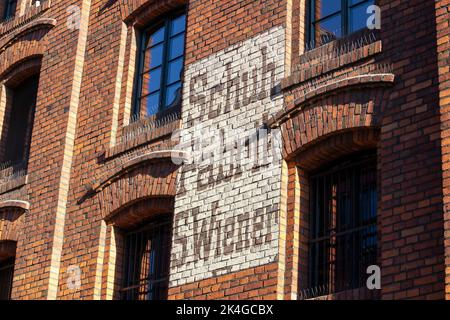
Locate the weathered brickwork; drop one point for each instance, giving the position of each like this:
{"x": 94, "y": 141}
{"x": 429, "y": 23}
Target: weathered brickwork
{"x": 231, "y": 169}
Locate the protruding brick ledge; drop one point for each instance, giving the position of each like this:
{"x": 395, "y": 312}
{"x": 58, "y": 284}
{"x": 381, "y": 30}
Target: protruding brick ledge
{"x": 141, "y": 139}
{"x": 12, "y": 218}
{"x": 13, "y": 184}
{"x": 360, "y": 81}
{"x": 17, "y": 22}
{"x": 336, "y": 63}
{"x": 19, "y": 204}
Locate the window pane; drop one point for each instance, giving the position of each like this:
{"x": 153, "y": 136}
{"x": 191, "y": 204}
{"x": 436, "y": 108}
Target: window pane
{"x": 176, "y": 46}
{"x": 173, "y": 95}
{"x": 324, "y": 8}
{"x": 151, "y": 81}
{"x": 154, "y": 57}
{"x": 353, "y": 2}
{"x": 329, "y": 29}
{"x": 178, "y": 25}
{"x": 146, "y": 262}
{"x": 175, "y": 70}
{"x": 18, "y": 136}
{"x": 359, "y": 16}
{"x": 343, "y": 227}
{"x": 151, "y": 103}
{"x": 6, "y": 278}
{"x": 156, "y": 37}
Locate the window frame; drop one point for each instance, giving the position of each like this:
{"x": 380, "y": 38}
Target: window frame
{"x": 142, "y": 37}
{"x": 331, "y": 240}
{"x": 344, "y": 12}
{"x": 15, "y": 117}
{"x": 8, "y": 266}
{"x": 128, "y": 285}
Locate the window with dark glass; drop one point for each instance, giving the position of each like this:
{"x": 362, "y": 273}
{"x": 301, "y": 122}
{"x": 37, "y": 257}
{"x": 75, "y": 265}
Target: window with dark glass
{"x": 9, "y": 10}
{"x": 332, "y": 19}
{"x": 6, "y": 278}
{"x": 161, "y": 67}
{"x": 343, "y": 232}
{"x": 20, "y": 121}
{"x": 146, "y": 262}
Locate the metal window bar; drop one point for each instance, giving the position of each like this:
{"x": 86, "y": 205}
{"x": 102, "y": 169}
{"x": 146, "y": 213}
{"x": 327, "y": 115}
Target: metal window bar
{"x": 6, "y": 279}
{"x": 146, "y": 259}
{"x": 343, "y": 236}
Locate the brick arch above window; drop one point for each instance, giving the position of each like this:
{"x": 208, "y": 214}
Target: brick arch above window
{"x": 140, "y": 12}
{"x": 154, "y": 178}
{"x": 330, "y": 114}
{"x": 140, "y": 211}
{"x": 335, "y": 146}
{"x": 21, "y": 70}
{"x": 42, "y": 25}
{"x": 12, "y": 215}
{"x": 7, "y": 249}
{"x": 30, "y": 46}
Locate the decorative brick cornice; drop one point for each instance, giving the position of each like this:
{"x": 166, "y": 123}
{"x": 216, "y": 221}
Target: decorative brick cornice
{"x": 20, "y": 21}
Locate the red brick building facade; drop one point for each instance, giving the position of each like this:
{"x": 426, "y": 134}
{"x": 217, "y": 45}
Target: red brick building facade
{"x": 98, "y": 201}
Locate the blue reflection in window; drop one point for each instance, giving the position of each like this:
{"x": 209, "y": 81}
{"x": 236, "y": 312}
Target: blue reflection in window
{"x": 331, "y": 19}
{"x": 175, "y": 70}
{"x": 161, "y": 69}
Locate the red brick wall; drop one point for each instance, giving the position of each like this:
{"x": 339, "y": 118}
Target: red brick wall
{"x": 410, "y": 159}
{"x": 250, "y": 284}
{"x": 215, "y": 25}
{"x": 443, "y": 52}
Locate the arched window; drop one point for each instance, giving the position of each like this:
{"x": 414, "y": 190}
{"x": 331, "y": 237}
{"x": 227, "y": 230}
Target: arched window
{"x": 161, "y": 66}
{"x": 332, "y": 19}
{"x": 18, "y": 123}
{"x": 342, "y": 225}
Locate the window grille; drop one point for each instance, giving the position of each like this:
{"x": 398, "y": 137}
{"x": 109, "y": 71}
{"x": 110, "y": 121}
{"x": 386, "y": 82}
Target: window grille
{"x": 343, "y": 232}
{"x": 146, "y": 262}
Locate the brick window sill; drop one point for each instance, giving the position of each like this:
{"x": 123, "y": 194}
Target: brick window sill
{"x": 19, "y": 21}
{"x": 141, "y": 133}
{"x": 333, "y": 56}
{"x": 12, "y": 184}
